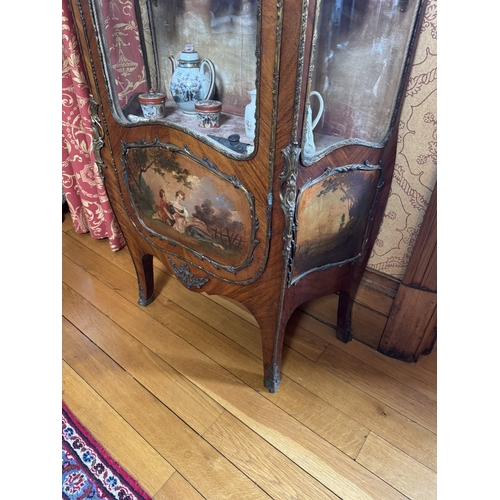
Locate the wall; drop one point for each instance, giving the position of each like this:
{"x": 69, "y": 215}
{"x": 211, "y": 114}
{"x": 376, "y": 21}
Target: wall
{"x": 416, "y": 162}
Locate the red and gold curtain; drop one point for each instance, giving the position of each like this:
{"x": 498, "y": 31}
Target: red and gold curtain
{"x": 85, "y": 194}
{"x": 125, "y": 50}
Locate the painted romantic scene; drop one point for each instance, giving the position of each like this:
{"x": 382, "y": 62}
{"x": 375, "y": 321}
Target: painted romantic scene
{"x": 183, "y": 200}
{"x": 332, "y": 216}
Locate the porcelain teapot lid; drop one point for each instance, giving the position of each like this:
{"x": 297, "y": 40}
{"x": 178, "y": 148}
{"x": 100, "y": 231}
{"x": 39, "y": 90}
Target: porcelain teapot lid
{"x": 189, "y": 54}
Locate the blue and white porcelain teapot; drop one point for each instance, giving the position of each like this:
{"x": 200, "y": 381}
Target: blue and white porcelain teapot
{"x": 193, "y": 79}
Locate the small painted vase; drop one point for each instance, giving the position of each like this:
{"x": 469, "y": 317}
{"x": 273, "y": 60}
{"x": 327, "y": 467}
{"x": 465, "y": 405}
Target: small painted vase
{"x": 152, "y": 104}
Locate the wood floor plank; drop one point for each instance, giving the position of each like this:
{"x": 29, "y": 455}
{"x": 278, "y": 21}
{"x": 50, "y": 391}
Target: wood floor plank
{"x": 323, "y": 461}
{"x": 117, "y": 437}
{"x": 328, "y": 422}
{"x": 398, "y": 469}
{"x": 177, "y": 488}
{"x": 205, "y": 469}
{"x": 366, "y": 410}
{"x": 367, "y": 323}
{"x": 67, "y": 223}
{"x": 414, "y": 375}
{"x": 378, "y": 384}
{"x": 331, "y": 424}
{"x": 214, "y": 310}
{"x": 278, "y": 476}
{"x": 429, "y": 361}
{"x": 174, "y": 390}
{"x": 229, "y": 304}
{"x": 242, "y": 358}
{"x": 399, "y": 430}
{"x": 304, "y": 341}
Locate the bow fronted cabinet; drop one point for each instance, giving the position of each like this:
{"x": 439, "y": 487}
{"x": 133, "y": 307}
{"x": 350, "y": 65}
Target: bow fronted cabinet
{"x": 249, "y": 145}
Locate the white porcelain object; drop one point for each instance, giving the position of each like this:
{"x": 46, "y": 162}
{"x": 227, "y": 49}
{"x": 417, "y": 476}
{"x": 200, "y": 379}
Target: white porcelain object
{"x": 208, "y": 113}
{"x": 137, "y": 119}
{"x": 309, "y": 146}
{"x": 193, "y": 79}
{"x": 152, "y": 104}
{"x": 250, "y": 115}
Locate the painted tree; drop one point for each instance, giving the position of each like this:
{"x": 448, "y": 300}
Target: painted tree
{"x": 352, "y": 184}
{"x": 161, "y": 160}
{"x": 338, "y": 181}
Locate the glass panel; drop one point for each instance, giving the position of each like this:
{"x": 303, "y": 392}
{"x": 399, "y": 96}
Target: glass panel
{"x": 358, "y": 55}
{"x": 165, "y": 57}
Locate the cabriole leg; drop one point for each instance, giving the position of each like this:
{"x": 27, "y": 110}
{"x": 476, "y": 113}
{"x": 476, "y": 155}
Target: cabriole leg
{"x": 273, "y": 334}
{"x": 344, "y": 313}
{"x": 144, "y": 269}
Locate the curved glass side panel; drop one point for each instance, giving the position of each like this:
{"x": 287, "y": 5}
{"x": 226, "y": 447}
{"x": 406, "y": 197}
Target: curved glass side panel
{"x": 189, "y": 63}
{"x": 359, "y": 52}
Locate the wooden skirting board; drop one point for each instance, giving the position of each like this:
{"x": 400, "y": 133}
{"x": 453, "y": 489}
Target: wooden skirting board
{"x": 377, "y": 320}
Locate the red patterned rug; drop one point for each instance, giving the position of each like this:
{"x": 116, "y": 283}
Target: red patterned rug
{"x": 88, "y": 472}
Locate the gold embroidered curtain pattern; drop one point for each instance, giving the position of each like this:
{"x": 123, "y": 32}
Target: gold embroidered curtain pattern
{"x": 82, "y": 186}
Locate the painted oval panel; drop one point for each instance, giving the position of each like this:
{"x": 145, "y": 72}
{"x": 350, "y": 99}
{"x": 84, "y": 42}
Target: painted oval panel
{"x": 187, "y": 201}
{"x": 333, "y": 214}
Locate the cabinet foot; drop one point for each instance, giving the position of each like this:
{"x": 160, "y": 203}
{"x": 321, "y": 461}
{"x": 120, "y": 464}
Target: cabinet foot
{"x": 145, "y": 278}
{"x": 344, "y": 316}
{"x": 344, "y": 331}
{"x": 272, "y": 378}
{"x": 143, "y": 300}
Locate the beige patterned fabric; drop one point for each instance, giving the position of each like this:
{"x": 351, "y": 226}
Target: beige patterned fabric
{"x": 416, "y": 161}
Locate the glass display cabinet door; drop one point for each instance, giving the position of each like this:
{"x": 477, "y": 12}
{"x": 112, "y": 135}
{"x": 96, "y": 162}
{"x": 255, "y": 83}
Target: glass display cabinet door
{"x": 190, "y": 64}
{"x": 358, "y": 56}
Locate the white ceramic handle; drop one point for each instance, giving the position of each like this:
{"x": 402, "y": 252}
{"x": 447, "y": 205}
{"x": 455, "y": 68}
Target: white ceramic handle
{"x": 211, "y": 70}
{"x": 321, "y": 108}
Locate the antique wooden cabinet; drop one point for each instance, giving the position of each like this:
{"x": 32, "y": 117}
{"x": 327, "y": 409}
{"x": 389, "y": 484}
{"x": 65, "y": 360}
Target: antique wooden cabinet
{"x": 277, "y": 198}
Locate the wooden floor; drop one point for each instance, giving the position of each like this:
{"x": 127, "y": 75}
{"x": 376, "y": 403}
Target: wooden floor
{"x": 174, "y": 392}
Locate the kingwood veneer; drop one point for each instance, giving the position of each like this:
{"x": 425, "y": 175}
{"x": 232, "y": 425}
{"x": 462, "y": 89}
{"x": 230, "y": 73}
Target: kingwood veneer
{"x": 295, "y": 216}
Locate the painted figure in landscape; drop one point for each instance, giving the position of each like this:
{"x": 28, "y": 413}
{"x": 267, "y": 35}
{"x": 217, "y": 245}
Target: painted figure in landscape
{"x": 162, "y": 208}
{"x": 177, "y": 215}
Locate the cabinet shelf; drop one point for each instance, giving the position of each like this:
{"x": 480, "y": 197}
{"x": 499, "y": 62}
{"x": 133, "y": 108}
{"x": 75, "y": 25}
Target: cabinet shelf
{"x": 229, "y": 124}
